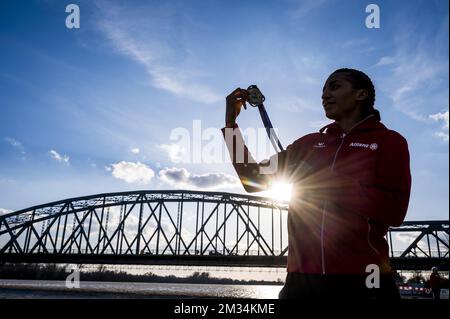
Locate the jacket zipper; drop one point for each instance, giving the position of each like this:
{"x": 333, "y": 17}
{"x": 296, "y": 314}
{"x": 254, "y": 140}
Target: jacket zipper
{"x": 368, "y": 237}
{"x": 325, "y": 204}
{"x": 324, "y": 211}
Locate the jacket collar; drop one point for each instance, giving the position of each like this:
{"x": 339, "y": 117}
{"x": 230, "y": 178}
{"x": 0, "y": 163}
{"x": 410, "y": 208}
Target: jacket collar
{"x": 368, "y": 123}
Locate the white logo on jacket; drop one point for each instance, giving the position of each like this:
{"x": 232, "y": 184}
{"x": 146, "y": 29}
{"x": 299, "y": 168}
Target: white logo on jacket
{"x": 319, "y": 145}
{"x": 372, "y": 146}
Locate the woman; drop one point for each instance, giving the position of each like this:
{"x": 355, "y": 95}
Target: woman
{"x": 435, "y": 283}
{"x": 351, "y": 181}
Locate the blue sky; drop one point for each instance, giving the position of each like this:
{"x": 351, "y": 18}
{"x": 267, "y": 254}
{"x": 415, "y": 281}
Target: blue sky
{"x": 92, "y": 110}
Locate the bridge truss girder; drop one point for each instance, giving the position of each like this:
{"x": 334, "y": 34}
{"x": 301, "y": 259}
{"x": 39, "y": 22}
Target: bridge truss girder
{"x": 162, "y": 226}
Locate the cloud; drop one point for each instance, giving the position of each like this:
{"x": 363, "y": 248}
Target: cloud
{"x": 441, "y": 117}
{"x": 417, "y": 77}
{"x": 92, "y": 163}
{"x": 304, "y": 7}
{"x": 135, "y": 150}
{"x": 413, "y": 81}
{"x": 4, "y": 211}
{"x": 57, "y": 157}
{"x": 16, "y": 144}
{"x": 359, "y": 45}
{"x": 175, "y": 151}
{"x": 386, "y": 60}
{"x": 132, "y": 173}
{"x": 298, "y": 104}
{"x": 151, "y": 43}
{"x": 405, "y": 238}
{"x": 180, "y": 177}
{"x": 319, "y": 124}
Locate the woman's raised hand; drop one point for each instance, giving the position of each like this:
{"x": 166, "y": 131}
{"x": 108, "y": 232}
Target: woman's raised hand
{"x": 235, "y": 101}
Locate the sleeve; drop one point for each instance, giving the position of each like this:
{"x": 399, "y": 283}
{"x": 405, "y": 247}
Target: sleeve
{"x": 256, "y": 177}
{"x": 386, "y": 199}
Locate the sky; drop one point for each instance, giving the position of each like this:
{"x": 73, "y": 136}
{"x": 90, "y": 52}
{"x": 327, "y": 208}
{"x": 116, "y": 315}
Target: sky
{"x": 134, "y": 98}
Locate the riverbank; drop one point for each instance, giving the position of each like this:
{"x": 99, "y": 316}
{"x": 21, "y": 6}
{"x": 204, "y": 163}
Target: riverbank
{"x": 30, "y": 289}
{"x": 60, "y": 272}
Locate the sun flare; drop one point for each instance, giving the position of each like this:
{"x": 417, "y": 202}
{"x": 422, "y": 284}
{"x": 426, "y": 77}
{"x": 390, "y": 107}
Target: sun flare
{"x": 280, "y": 191}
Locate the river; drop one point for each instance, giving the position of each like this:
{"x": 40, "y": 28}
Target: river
{"x": 25, "y": 289}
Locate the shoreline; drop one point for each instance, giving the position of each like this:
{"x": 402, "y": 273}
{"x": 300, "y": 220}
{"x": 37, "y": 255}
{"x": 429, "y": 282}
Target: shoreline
{"x": 57, "y": 289}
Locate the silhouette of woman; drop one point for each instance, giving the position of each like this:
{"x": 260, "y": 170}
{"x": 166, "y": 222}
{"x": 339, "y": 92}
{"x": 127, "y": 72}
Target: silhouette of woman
{"x": 351, "y": 181}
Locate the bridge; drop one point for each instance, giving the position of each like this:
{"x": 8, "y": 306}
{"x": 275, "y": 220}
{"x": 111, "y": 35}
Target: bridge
{"x": 183, "y": 228}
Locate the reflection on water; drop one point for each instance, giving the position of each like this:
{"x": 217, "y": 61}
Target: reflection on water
{"x": 34, "y": 288}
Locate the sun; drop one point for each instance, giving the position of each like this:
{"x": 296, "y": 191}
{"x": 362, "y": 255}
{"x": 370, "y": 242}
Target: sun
{"x": 280, "y": 191}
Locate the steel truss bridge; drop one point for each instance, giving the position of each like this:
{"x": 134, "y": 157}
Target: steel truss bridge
{"x": 183, "y": 228}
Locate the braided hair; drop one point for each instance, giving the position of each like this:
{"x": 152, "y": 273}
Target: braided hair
{"x": 360, "y": 80}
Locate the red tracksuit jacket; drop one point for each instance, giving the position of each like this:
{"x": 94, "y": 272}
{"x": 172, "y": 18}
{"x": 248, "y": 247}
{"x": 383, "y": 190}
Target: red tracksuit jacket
{"x": 347, "y": 190}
